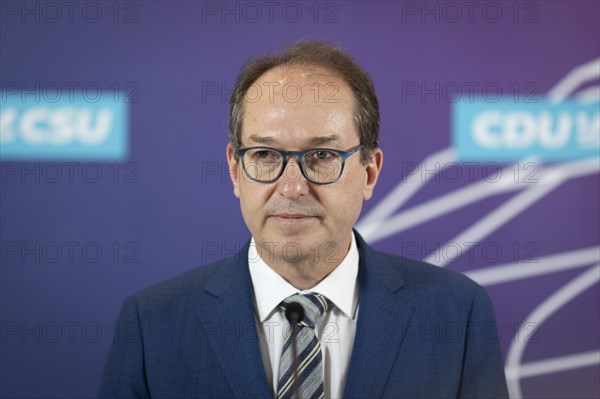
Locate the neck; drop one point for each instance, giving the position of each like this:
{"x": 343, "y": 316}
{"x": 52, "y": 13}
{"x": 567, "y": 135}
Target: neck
{"x": 309, "y": 266}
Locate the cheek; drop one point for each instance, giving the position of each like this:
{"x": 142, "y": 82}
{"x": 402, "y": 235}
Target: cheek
{"x": 253, "y": 198}
{"x": 251, "y": 211}
{"x": 354, "y": 183}
{"x": 352, "y": 198}
{"x": 345, "y": 201}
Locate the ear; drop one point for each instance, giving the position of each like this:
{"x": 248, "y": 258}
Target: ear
{"x": 373, "y": 170}
{"x": 234, "y": 169}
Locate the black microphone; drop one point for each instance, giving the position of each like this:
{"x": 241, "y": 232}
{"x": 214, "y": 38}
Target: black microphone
{"x": 294, "y": 312}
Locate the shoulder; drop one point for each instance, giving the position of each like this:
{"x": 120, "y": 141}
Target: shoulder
{"x": 440, "y": 293}
{"x": 395, "y": 271}
{"x": 423, "y": 273}
{"x": 426, "y": 283}
{"x": 176, "y": 292}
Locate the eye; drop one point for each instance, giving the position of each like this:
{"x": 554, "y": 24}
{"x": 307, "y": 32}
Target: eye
{"x": 264, "y": 155}
{"x": 321, "y": 155}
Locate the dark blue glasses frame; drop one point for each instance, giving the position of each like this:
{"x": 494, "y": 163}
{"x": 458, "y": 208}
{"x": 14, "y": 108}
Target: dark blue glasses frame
{"x": 285, "y": 155}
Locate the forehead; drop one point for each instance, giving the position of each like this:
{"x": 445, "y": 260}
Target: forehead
{"x": 301, "y": 84}
{"x": 299, "y": 101}
{"x": 302, "y": 74}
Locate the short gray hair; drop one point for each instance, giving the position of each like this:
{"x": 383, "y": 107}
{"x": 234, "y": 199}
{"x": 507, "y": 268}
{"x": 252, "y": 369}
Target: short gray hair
{"x": 317, "y": 53}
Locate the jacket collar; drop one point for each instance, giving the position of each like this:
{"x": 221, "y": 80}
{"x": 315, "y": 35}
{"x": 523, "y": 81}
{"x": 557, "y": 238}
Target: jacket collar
{"x": 385, "y": 312}
{"x": 386, "y": 309}
{"x": 227, "y": 314}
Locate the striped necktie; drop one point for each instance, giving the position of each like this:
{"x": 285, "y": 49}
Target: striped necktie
{"x": 310, "y": 359}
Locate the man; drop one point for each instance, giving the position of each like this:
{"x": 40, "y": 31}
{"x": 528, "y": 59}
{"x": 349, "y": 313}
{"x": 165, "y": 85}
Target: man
{"x": 304, "y": 155}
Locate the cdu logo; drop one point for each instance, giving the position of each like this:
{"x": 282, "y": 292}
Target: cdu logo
{"x": 554, "y": 128}
{"x": 43, "y": 126}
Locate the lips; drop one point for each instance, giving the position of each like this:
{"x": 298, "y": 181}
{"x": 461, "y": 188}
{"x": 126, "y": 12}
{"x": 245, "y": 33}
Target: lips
{"x": 293, "y": 218}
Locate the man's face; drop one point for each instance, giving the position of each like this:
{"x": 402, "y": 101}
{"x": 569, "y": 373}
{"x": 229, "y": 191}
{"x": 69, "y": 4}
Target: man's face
{"x": 301, "y": 108}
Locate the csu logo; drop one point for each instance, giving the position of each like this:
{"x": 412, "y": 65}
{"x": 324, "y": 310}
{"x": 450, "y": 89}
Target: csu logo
{"x": 70, "y": 129}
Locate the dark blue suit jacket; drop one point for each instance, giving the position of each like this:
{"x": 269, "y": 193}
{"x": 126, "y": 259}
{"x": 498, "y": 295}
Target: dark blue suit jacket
{"x": 422, "y": 332}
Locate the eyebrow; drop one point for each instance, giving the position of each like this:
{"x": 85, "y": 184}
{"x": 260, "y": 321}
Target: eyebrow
{"x": 262, "y": 140}
{"x": 315, "y": 141}
{"x": 318, "y": 141}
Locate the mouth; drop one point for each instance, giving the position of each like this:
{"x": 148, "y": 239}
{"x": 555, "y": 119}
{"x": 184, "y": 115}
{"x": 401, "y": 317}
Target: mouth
{"x": 293, "y": 217}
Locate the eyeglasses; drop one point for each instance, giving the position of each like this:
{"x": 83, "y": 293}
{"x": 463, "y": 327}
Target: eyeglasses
{"x": 318, "y": 166}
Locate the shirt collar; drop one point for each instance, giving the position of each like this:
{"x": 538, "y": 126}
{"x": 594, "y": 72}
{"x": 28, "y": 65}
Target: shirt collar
{"x": 270, "y": 289}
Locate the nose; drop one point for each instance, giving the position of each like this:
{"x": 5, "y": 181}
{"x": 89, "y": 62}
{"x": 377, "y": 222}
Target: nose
{"x": 292, "y": 183}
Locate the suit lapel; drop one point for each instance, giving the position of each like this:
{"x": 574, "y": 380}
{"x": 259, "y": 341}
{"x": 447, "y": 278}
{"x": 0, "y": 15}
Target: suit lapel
{"x": 227, "y": 316}
{"x": 384, "y": 314}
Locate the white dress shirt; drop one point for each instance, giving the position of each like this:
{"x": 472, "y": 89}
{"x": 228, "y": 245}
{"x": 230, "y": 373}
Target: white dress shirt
{"x": 336, "y": 328}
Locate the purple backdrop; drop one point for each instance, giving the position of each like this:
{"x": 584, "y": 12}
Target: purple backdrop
{"x": 74, "y": 246}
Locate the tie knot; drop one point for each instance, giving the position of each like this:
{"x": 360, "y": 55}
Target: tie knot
{"x": 314, "y": 306}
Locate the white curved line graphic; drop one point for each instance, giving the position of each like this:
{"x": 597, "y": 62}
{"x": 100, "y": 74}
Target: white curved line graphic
{"x": 402, "y": 193}
{"x": 540, "y": 314}
{"x": 579, "y": 75}
{"x": 493, "y": 221}
{"x": 472, "y": 193}
{"x": 526, "y": 269}
{"x": 589, "y": 95}
{"x": 556, "y": 364}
